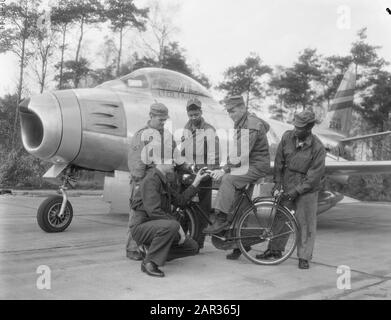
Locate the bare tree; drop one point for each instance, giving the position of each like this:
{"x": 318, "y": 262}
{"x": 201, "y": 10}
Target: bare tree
{"x": 21, "y": 17}
{"x": 160, "y": 29}
{"x": 44, "y": 44}
{"x": 87, "y": 12}
{"x": 62, "y": 17}
{"x": 124, "y": 14}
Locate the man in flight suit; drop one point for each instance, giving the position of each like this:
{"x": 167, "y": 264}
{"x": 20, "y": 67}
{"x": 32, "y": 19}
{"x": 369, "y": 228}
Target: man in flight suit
{"x": 257, "y": 158}
{"x": 199, "y": 136}
{"x": 298, "y": 169}
{"x": 152, "y": 224}
{"x": 137, "y": 164}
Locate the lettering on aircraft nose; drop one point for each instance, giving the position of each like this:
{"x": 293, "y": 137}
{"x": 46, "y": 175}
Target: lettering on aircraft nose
{"x": 388, "y": 10}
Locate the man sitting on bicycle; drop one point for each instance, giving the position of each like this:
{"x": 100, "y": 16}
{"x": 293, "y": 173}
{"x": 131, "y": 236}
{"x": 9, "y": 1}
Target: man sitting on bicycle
{"x": 255, "y": 161}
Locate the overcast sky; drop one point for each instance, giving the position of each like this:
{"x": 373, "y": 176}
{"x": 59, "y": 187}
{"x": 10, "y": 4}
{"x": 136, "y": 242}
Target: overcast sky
{"x": 221, "y": 33}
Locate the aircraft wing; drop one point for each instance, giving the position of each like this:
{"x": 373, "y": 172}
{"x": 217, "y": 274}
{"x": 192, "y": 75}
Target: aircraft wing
{"x": 367, "y": 136}
{"x": 357, "y": 167}
{"x": 344, "y": 169}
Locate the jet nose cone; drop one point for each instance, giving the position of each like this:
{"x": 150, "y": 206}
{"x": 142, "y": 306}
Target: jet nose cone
{"x": 41, "y": 125}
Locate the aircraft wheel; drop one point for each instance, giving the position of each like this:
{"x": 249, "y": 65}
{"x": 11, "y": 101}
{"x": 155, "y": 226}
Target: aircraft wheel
{"x": 47, "y": 215}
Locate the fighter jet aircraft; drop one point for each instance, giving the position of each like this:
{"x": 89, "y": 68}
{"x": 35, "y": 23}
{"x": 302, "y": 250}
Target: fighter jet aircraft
{"x": 92, "y": 128}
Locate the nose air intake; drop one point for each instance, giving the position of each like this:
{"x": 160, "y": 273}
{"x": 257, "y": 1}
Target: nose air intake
{"x": 85, "y": 127}
{"x": 41, "y": 125}
{"x": 51, "y": 126}
{"x": 32, "y": 128}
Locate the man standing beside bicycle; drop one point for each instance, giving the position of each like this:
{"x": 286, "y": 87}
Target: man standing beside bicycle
{"x": 201, "y": 148}
{"x": 298, "y": 168}
{"x": 256, "y": 159}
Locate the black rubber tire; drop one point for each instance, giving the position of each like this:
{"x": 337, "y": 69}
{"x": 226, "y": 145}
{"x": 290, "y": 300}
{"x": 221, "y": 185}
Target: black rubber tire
{"x": 195, "y": 232}
{"x": 286, "y": 254}
{"x": 190, "y": 223}
{"x": 51, "y": 205}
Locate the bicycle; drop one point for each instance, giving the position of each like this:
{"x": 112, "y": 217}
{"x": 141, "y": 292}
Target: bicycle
{"x": 254, "y": 224}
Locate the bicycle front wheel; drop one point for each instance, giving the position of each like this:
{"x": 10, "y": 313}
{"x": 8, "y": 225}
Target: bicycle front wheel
{"x": 267, "y": 226}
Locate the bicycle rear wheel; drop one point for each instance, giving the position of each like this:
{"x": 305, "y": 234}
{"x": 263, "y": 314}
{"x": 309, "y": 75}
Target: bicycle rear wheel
{"x": 267, "y": 226}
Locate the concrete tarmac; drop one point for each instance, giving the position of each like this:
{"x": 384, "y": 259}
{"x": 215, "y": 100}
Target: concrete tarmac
{"x": 88, "y": 261}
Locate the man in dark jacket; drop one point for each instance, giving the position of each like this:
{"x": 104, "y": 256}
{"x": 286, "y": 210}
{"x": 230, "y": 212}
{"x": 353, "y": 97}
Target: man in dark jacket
{"x": 200, "y": 146}
{"x": 254, "y": 162}
{"x": 139, "y": 163}
{"x": 152, "y": 224}
{"x": 298, "y": 169}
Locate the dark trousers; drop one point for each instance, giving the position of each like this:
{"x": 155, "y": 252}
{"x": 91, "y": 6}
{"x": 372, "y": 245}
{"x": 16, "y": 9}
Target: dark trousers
{"x": 306, "y": 208}
{"x": 225, "y": 197}
{"x": 162, "y": 236}
{"x": 131, "y": 245}
{"x": 205, "y": 196}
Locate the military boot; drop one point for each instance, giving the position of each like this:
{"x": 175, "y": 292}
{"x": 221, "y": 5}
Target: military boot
{"x": 218, "y": 225}
{"x": 134, "y": 255}
{"x": 303, "y": 264}
{"x": 269, "y": 254}
{"x": 236, "y": 253}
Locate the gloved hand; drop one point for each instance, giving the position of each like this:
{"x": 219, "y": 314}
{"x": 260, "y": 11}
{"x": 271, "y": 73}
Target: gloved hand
{"x": 291, "y": 194}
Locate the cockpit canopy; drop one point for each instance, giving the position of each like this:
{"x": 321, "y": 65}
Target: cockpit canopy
{"x": 159, "y": 79}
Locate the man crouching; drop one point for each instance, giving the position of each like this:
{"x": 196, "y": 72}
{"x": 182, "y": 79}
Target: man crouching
{"x": 152, "y": 224}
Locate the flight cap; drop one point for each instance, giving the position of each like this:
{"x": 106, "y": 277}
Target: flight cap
{"x": 303, "y": 118}
{"x": 193, "y": 102}
{"x": 233, "y": 101}
{"x": 159, "y": 109}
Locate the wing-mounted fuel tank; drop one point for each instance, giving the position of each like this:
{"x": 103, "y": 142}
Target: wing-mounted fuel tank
{"x": 85, "y": 127}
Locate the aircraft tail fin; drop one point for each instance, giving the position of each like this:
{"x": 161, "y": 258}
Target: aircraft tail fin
{"x": 339, "y": 113}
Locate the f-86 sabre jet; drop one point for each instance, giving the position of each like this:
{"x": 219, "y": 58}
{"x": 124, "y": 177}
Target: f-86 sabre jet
{"x": 92, "y": 128}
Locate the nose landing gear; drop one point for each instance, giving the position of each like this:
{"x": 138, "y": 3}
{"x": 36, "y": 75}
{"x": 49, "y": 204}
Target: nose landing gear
{"x": 55, "y": 213}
